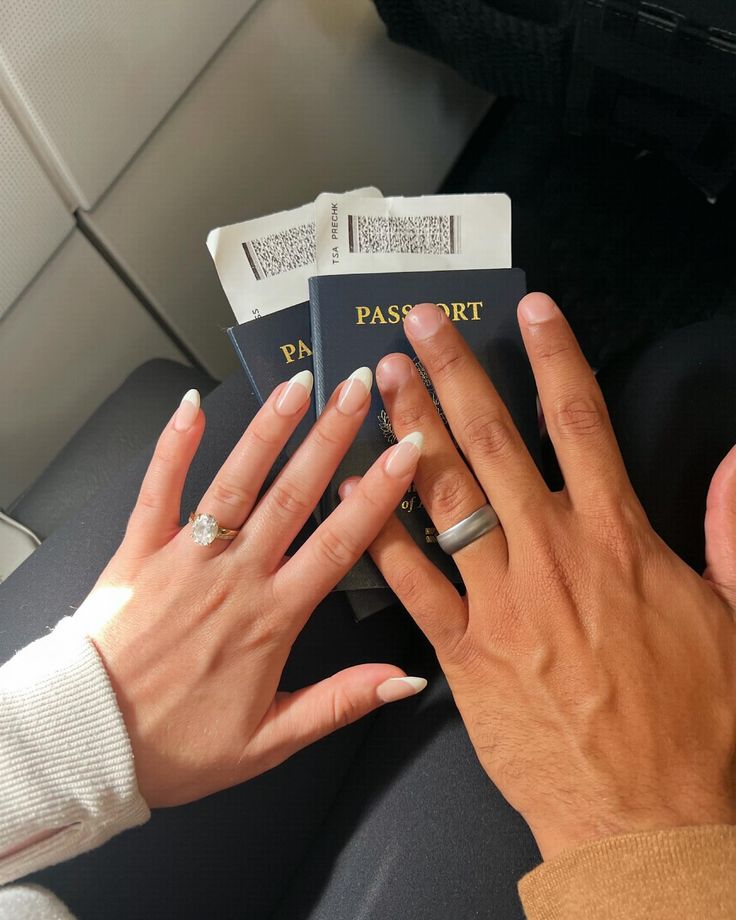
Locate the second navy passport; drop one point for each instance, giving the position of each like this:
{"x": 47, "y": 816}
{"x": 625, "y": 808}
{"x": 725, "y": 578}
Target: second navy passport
{"x": 357, "y": 319}
{"x": 272, "y": 349}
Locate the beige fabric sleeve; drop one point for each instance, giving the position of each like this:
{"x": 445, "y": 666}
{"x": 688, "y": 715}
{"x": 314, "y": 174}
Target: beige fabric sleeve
{"x": 679, "y": 874}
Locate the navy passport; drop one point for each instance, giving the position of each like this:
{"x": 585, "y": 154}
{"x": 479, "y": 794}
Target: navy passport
{"x": 357, "y": 319}
{"x": 273, "y": 348}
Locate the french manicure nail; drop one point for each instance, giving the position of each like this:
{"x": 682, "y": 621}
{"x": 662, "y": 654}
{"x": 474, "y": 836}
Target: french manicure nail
{"x": 538, "y": 308}
{"x": 423, "y": 320}
{"x": 403, "y": 456}
{"x": 354, "y": 391}
{"x": 296, "y": 393}
{"x": 187, "y": 411}
{"x": 398, "y": 688}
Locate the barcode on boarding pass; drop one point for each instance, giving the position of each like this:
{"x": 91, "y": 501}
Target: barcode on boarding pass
{"x": 426, "y": 235}
{"x": 283, "y": 251}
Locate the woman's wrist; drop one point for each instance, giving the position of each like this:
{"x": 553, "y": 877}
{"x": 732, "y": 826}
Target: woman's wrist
{"x": 66, "y": 768}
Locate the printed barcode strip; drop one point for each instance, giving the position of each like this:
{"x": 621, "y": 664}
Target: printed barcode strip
{"x": 421, "y": 235}
{"x": 251, "y": 257}
{"x": 282, "y": 251}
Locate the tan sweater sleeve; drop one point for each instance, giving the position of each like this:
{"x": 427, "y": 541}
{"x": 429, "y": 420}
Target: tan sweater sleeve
{"x": 687, "y": 872}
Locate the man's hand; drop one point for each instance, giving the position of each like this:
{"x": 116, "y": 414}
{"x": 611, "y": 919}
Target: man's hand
{"x": 595, "y": 671}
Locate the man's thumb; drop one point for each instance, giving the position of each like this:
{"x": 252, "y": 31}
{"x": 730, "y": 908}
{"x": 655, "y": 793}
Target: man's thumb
{"x": 720, "y": 529}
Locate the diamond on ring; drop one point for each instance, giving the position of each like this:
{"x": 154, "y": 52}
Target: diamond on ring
{"x": 204, "y": 529}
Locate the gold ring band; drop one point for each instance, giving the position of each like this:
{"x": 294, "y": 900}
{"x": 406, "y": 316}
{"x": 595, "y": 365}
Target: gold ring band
{"x": 205, "y": 529}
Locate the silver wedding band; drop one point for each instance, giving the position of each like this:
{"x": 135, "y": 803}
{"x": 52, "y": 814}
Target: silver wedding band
{"x": 468, "y": 530}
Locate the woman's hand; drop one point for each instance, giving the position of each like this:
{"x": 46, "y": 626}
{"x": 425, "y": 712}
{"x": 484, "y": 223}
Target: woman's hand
{"x": 195, "y": 637}
{"x": 595, "y": 671}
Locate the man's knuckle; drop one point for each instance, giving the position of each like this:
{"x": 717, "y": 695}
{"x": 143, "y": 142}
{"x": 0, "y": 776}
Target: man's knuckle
{"x": 459, "y": 649}
{"x": 550, "y": 348}
{"x": 446, "y": 492}
{"x": 409, "y": 585}
{"x": 408, "y": 417}
{"x": 487, "y": 434}
{"x": 615, "y": 533}
{"x": 449, "y": 358}
{"x": 553, "y": 560}
{"x": 578, "y": 415}
{"x": 624, "y": 548}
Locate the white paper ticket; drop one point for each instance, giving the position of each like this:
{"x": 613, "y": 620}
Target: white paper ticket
{"x": 265, "y": 264}
{"x": 362, "y": 234}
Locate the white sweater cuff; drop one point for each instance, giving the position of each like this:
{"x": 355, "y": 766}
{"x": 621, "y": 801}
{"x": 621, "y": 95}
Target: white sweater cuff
{"x": 66, "y": 765}
{"x": 29, "y": 902}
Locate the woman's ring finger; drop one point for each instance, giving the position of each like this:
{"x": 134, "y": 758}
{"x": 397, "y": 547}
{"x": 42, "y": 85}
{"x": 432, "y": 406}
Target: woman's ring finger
{"x": 234, "y": 491}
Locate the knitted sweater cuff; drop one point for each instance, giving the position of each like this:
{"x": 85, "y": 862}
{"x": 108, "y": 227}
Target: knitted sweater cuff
{"x": 679, "y": 873}
{"x": 66, "y": 765}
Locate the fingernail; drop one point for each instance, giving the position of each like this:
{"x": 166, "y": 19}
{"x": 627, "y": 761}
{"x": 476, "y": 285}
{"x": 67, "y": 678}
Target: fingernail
{"x": 354, "y": 391}
{"x": 187, "y": 411}
{"x": 538, "y": 308}
{"x": 392, "y": 371}
{"x": 423, "y": 320}
{"x": 398, "y": 688}
{"x": 297, "y": 392}
{"x": 346, "y": 488}
{"x": 403, "y": 456}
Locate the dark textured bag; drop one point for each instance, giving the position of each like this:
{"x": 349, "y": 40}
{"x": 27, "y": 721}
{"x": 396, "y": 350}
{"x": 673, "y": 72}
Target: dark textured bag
{"x": 659, "y": 76}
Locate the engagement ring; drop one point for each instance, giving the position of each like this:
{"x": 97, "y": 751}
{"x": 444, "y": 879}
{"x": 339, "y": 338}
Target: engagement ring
{"x": 206, "y": 530}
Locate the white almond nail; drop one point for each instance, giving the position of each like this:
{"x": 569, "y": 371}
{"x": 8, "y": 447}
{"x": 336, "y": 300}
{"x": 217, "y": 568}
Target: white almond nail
{"x": 295, "y": 394}
{"x": 306, "y": 378}
{"x": 355, "y": 392}
{"x": 187, "y": 411}
{"x": 399, "y": 688}
{"x": 365, "y": 375}
{"x": 403, "y": 457}
{"x": 416, "y": 438}
{"x": 192, "y": 396}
